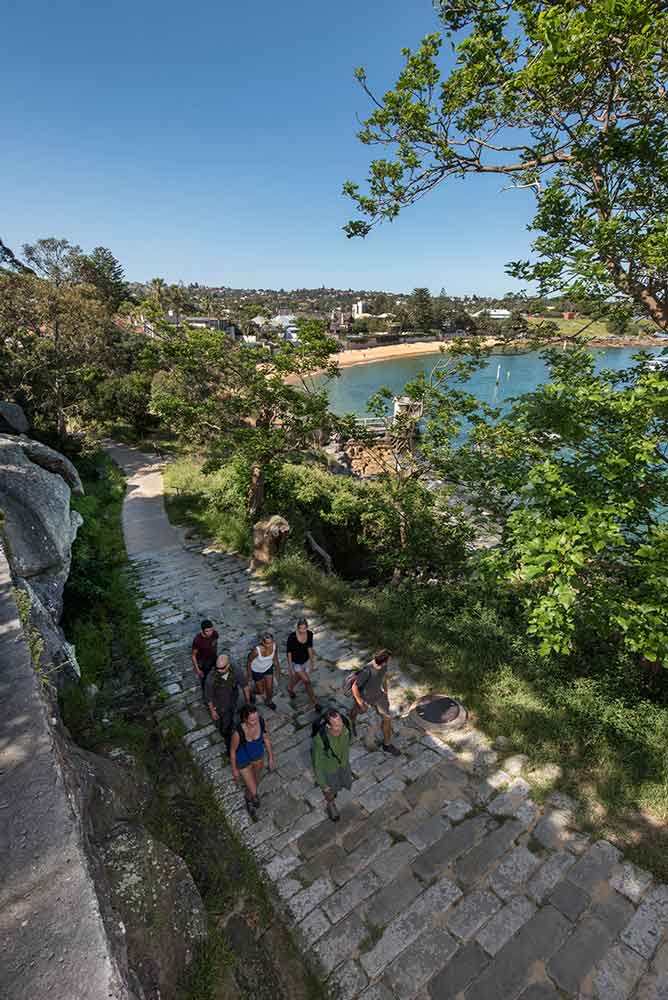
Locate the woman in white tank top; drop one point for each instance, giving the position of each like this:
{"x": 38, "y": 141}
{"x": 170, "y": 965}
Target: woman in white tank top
{"x": 260, "y": 668}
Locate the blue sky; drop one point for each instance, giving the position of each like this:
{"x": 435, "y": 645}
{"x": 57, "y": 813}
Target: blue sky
{"x": 209, "y": 141}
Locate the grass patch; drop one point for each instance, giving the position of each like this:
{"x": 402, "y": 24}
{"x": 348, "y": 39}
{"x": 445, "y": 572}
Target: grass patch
{"x": 213, "y": 503}
{"x": 209, "y": 966}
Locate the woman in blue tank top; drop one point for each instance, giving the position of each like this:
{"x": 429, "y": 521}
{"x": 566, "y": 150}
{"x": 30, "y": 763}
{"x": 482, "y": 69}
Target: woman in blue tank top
{"x": 249, "y": 741}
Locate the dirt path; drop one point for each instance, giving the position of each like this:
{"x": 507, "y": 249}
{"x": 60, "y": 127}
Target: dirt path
{"x": 443, "y": 878}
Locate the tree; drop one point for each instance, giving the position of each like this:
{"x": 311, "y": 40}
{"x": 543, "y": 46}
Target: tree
{"x": 177, "y": 298}
{"x": 157, "y": 293}
{"x": 421, "y": 311}
{"x": 577, "y": 477}
{"x": 565, "y": 99}
{"x": 55, "y": 344}
{"x": 8, "y": 259}
{"x": 101, "y": 269}
{"x": 251, "y": 402}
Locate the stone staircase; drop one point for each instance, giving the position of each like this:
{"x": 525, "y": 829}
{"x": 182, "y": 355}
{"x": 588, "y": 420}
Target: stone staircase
{"x": 443, "y": 878}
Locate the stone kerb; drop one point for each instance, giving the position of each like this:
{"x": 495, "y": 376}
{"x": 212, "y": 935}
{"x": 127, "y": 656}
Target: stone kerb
{"x": 443, "y": 878}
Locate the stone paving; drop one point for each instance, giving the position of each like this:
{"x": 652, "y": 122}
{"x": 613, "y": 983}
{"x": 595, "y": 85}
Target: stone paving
{"x": 442, "y": 879}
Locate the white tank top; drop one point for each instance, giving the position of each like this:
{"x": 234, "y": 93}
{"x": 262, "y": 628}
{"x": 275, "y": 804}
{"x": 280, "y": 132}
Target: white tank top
{"x": 261, "y": 664}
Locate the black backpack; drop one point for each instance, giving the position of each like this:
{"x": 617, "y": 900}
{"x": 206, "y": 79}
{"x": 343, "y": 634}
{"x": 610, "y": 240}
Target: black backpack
{"x": 320, "y": 726}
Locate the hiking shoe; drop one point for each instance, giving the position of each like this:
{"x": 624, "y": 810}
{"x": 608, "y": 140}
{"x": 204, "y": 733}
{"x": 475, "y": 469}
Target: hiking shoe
{"x": 333, "y": 812}
{"x": 252, "y": 809}
{"x": 390, "y": 748}
{"x": 271, "y": 705}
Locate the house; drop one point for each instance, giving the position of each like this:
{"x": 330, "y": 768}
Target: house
{"x": 499, "y": 314}
{"x": 286, "y": 325}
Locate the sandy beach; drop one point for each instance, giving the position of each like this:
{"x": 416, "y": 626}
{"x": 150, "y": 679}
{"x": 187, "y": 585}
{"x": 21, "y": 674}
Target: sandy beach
{"x": 389, "y": 352}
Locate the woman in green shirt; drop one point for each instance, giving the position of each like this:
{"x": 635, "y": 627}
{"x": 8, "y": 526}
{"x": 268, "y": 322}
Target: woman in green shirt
{"x": 331, "y": 758}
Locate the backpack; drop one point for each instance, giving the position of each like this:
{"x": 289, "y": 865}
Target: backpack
{"x": 320, "y": 726}
{"x": 351, "y": 677}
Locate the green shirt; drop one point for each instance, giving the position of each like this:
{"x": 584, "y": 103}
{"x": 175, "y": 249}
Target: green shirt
{"x": 325, "y": 764}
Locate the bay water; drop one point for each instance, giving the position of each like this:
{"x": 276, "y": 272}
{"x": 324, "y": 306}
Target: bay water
{"x": 520, "y": 372}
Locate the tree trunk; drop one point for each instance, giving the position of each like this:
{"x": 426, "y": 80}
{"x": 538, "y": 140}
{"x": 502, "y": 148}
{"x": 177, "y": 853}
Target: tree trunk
{"x": 255, "y": 501}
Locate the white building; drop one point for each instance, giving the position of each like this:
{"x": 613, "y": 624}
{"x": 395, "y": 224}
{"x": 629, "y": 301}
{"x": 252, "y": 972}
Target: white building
{"x": 492, "y": 313}
{"x": 360, "y": 309}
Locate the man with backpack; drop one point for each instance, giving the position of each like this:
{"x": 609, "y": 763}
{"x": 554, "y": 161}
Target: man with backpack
{"x": 331, "y": 757}
{"x": 221, "y": 696}
{"x": 369, "y": 688}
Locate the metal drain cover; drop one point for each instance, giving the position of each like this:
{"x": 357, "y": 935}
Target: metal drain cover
{"x": 439, "y": 710}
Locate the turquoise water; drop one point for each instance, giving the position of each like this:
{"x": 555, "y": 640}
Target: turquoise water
{"x": 519, "y": 373}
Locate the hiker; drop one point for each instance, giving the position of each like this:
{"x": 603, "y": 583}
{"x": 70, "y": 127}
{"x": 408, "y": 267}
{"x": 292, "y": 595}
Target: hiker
{"x": 369, "y": 688}
{"x": 262, "y": 660}
{"x": 301, "y": 661}
{"x": 249, "y": 740}
{"x": 331, "y": 757}
{"x": 204, "y": 652}
{"x": 221, "y": 695}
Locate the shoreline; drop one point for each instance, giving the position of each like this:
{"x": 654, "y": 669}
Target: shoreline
{"x": 392, "y": 352}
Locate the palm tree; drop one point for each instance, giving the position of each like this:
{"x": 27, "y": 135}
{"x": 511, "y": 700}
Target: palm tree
{"x": 158, "y": 292}
{"x": 178, "y": 299}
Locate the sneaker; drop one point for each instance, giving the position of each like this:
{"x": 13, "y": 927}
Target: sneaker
{"x": 317, "y": 707}
{"x": 390, "y": 748}
{"x": 333, "y": 812}
{"x": 271, "y": 705}
{"x": 256, "y": 801}
{"x": 291, "y": 694}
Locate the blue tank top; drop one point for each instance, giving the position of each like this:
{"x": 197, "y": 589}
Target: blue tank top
{"x": 249, "y": 751}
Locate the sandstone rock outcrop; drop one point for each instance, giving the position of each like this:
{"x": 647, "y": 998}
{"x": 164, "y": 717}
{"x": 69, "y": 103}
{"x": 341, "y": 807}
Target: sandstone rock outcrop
{"x": 162, "y": 912}
{"x": 38, "y": 526}
{"x": 151, "y": 905}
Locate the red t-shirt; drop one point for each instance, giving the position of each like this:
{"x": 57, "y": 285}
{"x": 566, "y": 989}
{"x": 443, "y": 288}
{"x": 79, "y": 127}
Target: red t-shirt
{"x": 205, "y": 646}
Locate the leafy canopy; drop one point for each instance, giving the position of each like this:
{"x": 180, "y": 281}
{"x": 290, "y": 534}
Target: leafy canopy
{"x": 567, "y": 99}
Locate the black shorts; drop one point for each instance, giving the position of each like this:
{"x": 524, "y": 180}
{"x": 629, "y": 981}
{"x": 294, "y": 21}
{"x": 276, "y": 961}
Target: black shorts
{"x": 261, "y": 676}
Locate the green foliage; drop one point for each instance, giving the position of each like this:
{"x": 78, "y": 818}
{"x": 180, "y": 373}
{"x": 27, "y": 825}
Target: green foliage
{"x": 100, "y": 615}
{"x": 565, "y": 99}
{"x": 359, "y": 523}
{"x": 32, "y": 636}
{"x": 253, "y": 403}
{"x": 214, "y": 502}
{"x": 421, "y": 310}
{"x": 101, "y": 269}
{"x": 586, "y": 456}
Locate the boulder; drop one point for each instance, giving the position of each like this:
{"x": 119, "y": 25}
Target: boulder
{"x": 52, "y": 461}
{"x": 38, "y": 526}
{"x": 269, "y": 538}
{"x": 12, "y": 419}
{"x": 155, "y": 898}
{"x": 110, "y": 790}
